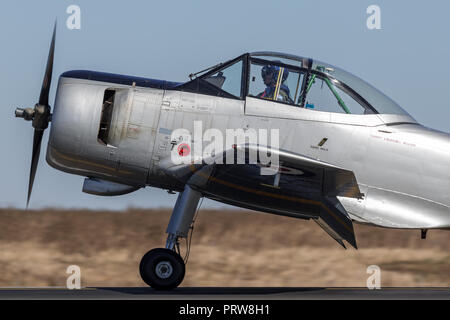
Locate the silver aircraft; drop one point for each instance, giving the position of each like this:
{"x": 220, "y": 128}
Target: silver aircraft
{"x": 345, "y": 152}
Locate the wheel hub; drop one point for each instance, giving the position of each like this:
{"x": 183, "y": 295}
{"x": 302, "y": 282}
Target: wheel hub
{"x": 164, "y": 269}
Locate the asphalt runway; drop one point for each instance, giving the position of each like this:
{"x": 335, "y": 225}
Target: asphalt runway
{"x": 216, "y": 293}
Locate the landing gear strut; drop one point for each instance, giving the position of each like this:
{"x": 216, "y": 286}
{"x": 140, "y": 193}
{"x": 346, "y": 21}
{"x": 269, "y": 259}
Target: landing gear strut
{"x": 163, "y": 268}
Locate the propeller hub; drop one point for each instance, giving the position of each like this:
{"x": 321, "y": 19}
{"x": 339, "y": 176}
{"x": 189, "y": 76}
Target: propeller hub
{"x": 41, "y": 117}
{"x": 27, "y": 114}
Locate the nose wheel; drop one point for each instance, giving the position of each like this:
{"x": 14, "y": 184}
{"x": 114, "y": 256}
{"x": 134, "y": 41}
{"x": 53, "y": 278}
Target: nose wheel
{"x": 162, "y": 269}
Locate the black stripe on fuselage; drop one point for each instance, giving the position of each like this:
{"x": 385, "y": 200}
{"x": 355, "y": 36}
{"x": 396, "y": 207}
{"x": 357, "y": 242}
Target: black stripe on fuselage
{"x": 120, "y": 79}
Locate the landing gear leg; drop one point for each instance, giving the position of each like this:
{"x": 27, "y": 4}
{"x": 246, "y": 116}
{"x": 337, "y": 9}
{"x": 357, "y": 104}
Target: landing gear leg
{"x": 163, "y": 268}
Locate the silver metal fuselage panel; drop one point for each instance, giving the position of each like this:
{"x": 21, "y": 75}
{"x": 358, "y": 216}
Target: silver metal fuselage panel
{"x": 402, "y": 168}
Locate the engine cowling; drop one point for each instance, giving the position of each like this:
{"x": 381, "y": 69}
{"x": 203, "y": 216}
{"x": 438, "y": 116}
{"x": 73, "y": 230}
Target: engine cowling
{"x": 104, "y": 130}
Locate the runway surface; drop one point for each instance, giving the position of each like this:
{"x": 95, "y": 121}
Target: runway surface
{"x": 217, "y": 293}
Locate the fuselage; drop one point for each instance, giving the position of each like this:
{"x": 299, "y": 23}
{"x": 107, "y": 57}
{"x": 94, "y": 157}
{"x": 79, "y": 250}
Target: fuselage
{"x": 402, "y": 168}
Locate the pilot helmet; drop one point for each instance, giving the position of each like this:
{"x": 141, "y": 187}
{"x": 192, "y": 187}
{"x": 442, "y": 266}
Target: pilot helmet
{"x": 274, "y": 70}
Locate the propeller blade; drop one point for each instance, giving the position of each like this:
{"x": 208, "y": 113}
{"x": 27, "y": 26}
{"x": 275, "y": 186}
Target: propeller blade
{"x": 37, "y": 139}
{"x": 41, "y": 115}
{"x": 43, "y": 99}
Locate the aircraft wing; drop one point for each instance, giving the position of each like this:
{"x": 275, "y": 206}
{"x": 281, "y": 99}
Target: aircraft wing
{"x": 301, "y": 187}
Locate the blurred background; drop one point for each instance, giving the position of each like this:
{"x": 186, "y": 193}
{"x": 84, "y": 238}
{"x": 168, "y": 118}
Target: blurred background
{"x": 229, "y": 248}
{"x": 169, "y": 40}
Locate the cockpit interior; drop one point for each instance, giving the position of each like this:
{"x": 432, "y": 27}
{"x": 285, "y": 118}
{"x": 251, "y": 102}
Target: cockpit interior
{"x": 292, "y": 80}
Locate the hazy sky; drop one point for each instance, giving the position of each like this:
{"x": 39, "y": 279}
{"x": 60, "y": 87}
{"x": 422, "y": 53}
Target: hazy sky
{"x": 170, "y": 39}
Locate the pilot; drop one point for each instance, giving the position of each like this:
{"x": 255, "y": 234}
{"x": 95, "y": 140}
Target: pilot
{"x": 270, "y": 74}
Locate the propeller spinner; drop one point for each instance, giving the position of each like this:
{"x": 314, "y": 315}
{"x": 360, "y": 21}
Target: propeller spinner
{"x": 40, "y": 115}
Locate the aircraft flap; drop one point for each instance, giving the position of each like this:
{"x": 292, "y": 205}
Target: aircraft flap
{"x": 334, "y": 220}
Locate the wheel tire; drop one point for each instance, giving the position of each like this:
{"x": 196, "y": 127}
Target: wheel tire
{"x": 162, "y": 269}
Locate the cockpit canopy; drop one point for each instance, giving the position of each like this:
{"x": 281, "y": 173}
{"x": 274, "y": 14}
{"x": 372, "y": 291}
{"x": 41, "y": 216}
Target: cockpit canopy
{"x": 293, "y": 80}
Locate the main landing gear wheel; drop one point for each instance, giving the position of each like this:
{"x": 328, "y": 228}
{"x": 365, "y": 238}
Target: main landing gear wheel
{"x": 162, "y": 269}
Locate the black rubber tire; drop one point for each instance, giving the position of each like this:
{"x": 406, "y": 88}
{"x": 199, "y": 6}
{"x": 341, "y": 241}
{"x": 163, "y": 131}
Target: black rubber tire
{"x": 150, "y": 260}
